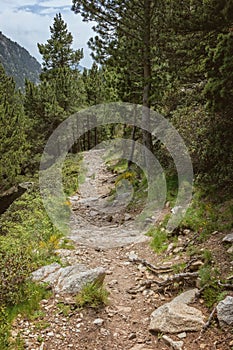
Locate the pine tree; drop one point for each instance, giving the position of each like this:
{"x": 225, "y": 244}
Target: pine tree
{"x": 129, "y": 19}
{"x": 57, "y": 53}
{"x": 60, "y": 67}
{"x": 13, "y": 132}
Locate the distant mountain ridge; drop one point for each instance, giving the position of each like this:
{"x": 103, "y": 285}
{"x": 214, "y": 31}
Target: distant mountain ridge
{"x": 18, "y": 62}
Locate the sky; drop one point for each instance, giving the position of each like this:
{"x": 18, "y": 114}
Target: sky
{"x": 27, "y": 22}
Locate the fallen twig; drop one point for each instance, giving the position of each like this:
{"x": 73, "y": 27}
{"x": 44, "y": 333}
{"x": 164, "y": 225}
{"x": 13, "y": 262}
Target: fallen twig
{"x": 225, "y": 285}
{"x": 206, "y": 325}
{"x": 177, "y": 278}
{"x": 151, "y": 267}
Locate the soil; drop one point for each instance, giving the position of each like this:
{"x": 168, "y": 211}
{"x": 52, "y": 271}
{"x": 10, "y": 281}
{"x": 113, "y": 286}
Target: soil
{"x": 105, "y": 237}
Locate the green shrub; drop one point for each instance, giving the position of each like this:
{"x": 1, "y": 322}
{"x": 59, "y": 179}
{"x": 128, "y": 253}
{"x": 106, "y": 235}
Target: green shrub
{"x": 206, "y": 216}
{"x": 212, "y": 292}
{"x": 16, "y": 264}
{"x": 28, "y": 240}
{"x": 92, "y": 295}
{"x": 72, "y": 171}
{"x": 4, "y": 328}
{"x": 31, "y": 295}
{"x": 159, "y": 240}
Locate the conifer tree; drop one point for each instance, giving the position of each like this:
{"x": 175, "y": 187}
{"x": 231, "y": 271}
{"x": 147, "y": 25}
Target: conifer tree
{"x": 131, "y": 19}
{"x": 60, "y": 67}
{"x": 13, "y": 132}
{"x": 57, "y": 53}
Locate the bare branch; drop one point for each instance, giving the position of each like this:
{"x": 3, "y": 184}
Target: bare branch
{"x": 177, "y": 278}
{"x": 155, "y": 269}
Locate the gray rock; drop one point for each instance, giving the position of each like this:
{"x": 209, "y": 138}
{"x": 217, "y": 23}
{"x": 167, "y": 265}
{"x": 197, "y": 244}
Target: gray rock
{"x": 132, "y": 256}
{"x": 67, "y": 280}
{"x": 98, "y": 321}
{"x": 182, "y": 335}
{"x": 176, "y": 345}
{"x": 170, "y": 247}
{"x": 225, "y": 312}
{"x": 177, "y": 316}
{"x": 93, "y": 213}
{"x": 230, "y": 250}
{"x": 127, "y": 217}
{"x": 228, "y": 238}
{"x": 178, "y": 250}
{"x": 45, "y": 271}
{"x": 186, "y": 297}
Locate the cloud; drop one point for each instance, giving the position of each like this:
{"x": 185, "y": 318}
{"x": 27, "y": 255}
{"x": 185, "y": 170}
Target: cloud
{"x": 54, "y": 3}
{"x": 15, "y": 4}
{"x": 28, "y": 22}
{"x": 52, "y": 10}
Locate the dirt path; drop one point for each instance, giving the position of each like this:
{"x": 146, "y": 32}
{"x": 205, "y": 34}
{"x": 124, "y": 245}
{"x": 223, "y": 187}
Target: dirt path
{"x": 100, "y": 221}
{"x": 105, "y": 237}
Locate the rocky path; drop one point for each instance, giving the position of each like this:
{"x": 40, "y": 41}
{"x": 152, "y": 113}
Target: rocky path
{"x": 99, "y": 220}
{"x": 104, "y": 235}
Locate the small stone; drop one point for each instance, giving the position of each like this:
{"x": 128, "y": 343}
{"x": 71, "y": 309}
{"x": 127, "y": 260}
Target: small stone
{"x": 141, "y": 268}
{"x": 196, "y": 265}
{"x": 132, "y": 256}
{"x": 104, "y": 331}
{"x": 14, "y": 334}
{"x": 98, "y": 321}
{"x": 228, "y": 238}
{"x": 112, "y": 283}
{"x": 176, "y": 345}
{"x": 177, "y": 250}
{"x": 182, "y": 335}
{"x": 93, "y": 213}
{"x": 127, "y": 217}
{"x": 170, "y": 247}
{"x": 132, "y": 336}
{"x": 230, "y": 250}
{"x": 214, "y": 233}
{"x": 186, "y": 231}
{"x": 50, "y": 334}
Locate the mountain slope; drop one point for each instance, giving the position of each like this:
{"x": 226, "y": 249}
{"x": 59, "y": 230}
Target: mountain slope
{"x": 17, "y": 62}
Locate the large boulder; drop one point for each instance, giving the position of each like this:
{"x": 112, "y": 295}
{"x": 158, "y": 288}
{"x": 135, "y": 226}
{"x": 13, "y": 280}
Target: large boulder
{"x": 177, "y": 316}
{"x": 68, "y": 280}
{"x": 225, "y": 312}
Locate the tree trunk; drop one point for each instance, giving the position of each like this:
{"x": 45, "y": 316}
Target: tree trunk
{"x": 147, "y": 137}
